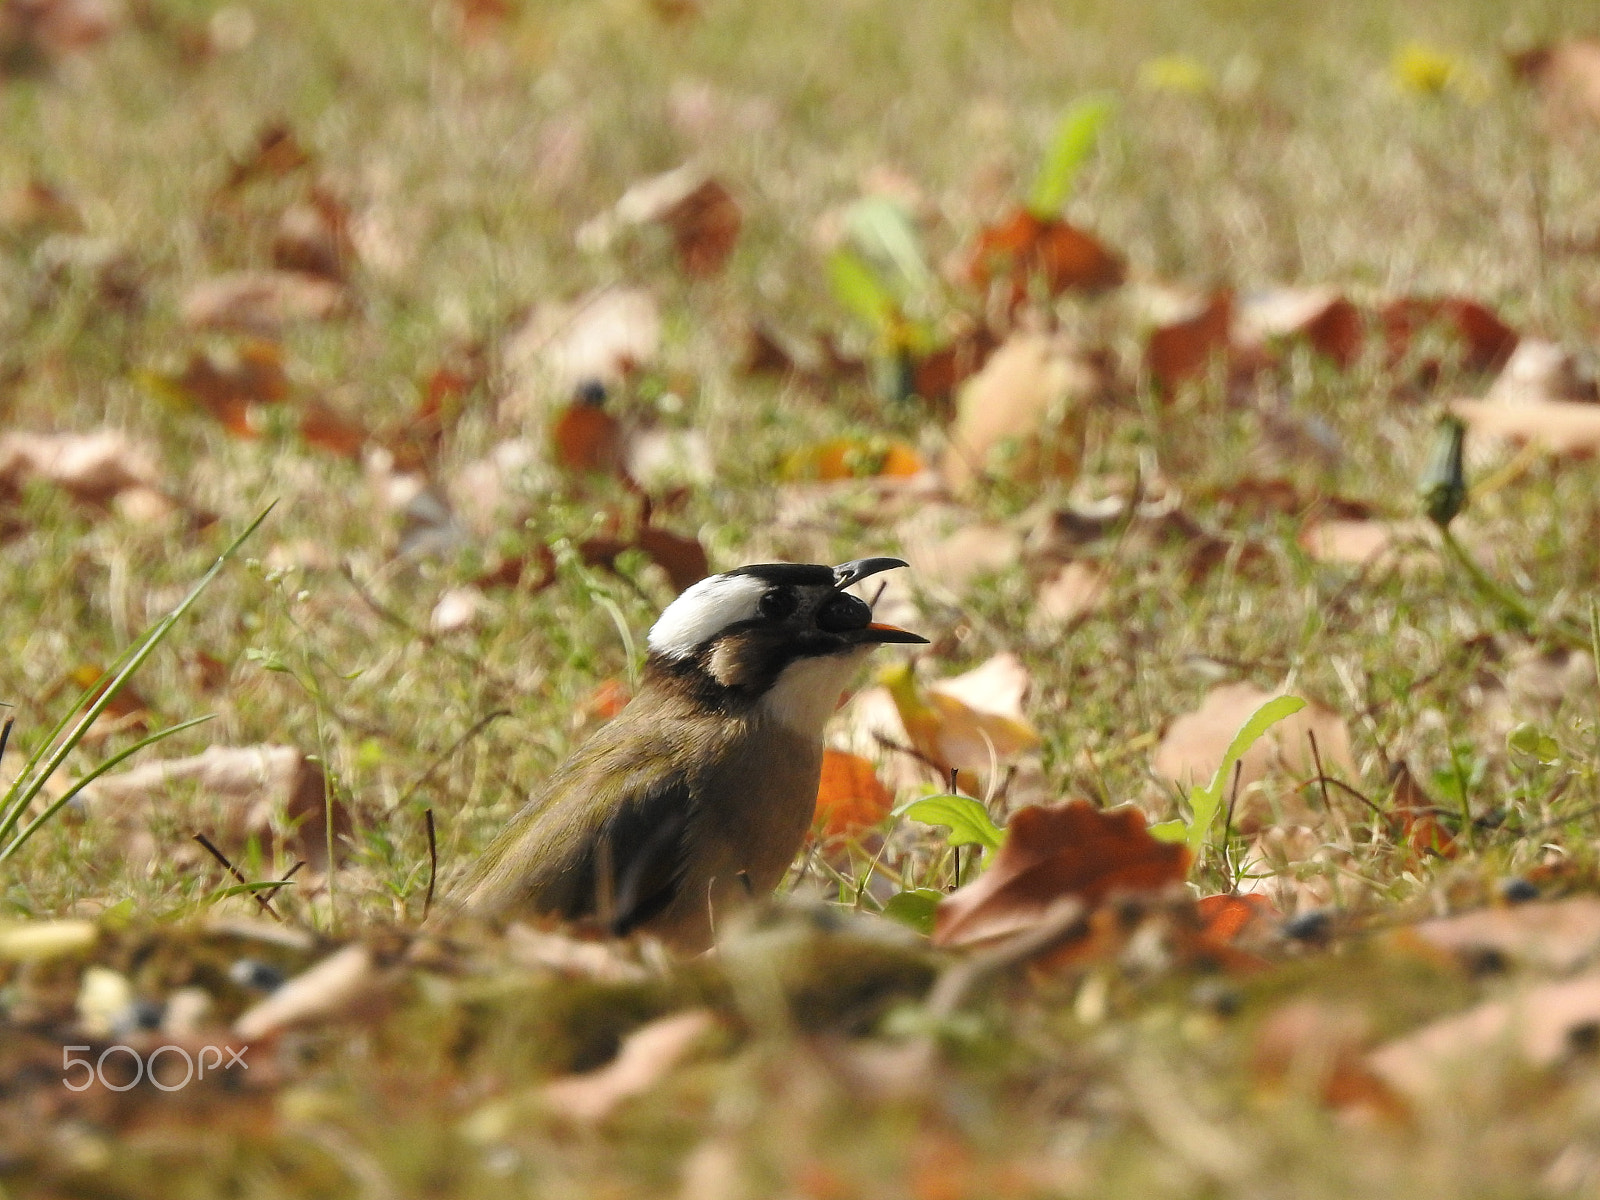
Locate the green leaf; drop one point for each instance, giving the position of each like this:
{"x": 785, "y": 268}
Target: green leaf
{"x": 1205, "y": 802}
{"x": 968, "y": 821}
{"x": 1075, "y": 137}
{"x": 1170, "y": 831}
{"x": 914, "y": 908}
{"x": 882, "y": 230}
{"x": 1528, "y": 739}
{"x": 857, "y": 287}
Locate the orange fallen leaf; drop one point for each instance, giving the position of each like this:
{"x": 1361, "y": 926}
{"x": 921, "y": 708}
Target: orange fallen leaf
{"x": 605, "y": 702}
{"x": 228, "y": 383}
{"x": 1227, "y": 916}
{"x": 850, "y": 797}
{"x": 327, "y": 429}
{"x": 1074, "y": 851}
{"x": 852, "y": 458}
{"x": 967, "y": 722}
{"x": 277, "y": 152}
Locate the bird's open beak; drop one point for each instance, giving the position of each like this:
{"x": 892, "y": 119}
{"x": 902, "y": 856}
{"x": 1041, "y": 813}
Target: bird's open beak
{"x": 846, "y": 574}
{"x": 879, "y": 632}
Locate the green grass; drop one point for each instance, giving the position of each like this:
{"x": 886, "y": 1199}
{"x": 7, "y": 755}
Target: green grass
{"x": 472, "y": 166}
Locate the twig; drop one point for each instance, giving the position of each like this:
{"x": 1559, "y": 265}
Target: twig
{"x": 1227, "y": 823}
{"x": 1322, "y": 776}
{"x": 1345, "y": 787}
{"x": 266, "y": 905}
{"x": 433, "y": 861}
{"x": 272, "y": 891}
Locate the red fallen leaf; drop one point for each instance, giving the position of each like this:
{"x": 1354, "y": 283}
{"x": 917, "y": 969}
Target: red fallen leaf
{"x": 850, "y": 797}
{"x": 585, "y": 437}
{"x": 328, "y": 430}
{"x": 705, "y": 226}
{"x": 1488, "y": 340}
{"x": 1184, "y": 349}
{"x": 1051, "y": 854}
{"x": 1023, "y": 245}
{"x": 1418, "y": 817}
{"x": 1329, "y": 322}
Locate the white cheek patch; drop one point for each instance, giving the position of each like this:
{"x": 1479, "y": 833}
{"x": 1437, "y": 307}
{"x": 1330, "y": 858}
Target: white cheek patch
{"x": 703, "y": 611}
{"x": 807, "y": 692}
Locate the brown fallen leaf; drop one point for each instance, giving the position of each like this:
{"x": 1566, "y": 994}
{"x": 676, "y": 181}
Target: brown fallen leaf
{"x": 1567, "y": 74}
{"x": 602, "y": 338}
{"x": 1022, "y": 416}
{"x": 1022, "y": 247}
{"x": 1552, "y": 935}
{"x": 936, "y": 375}
{"x": 1418, "y": 817}
{"x": 968, "y": 722}
{"x": 313, "y": 238}
{"x": 1076, "y": 591}
{"x": 701, "y": 214}
{"x": 646, "y": 1057}
{"x": 277, "y": 153}
{"x": 850, "y": 797}
{"x": 99, "y": 467}
{"x": 1485, "y": 340}
{"x": 325, "y": 427}
{"x": 228, "y": 383}
{"x": 270, "y": 793}
{"x": 1540, "y": 370}
{"x": 1074, "y": 851}
{"x": 1359, "y": 541}
{"x": 1320, "y": 316}
{"x": 263, "y": 303}
{"x": 584, "y": 437}
{"x": 1194, "y": 744}
{"x": 1184, "y": 349}
{"x": 1540, "y": 1025}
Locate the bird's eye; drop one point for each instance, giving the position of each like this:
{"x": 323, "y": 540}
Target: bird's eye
{"x": 778, "y": 604}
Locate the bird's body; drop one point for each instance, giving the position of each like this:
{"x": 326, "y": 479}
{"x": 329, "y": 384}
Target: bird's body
{"x": 698, "y": 795}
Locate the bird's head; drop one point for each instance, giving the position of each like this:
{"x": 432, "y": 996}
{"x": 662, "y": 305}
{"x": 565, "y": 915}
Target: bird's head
{"x": 782, "y": 635}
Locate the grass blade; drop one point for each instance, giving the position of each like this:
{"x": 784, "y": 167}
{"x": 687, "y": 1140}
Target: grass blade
{"x": 1075, "y": 137}
{"x": 29, "y": 783}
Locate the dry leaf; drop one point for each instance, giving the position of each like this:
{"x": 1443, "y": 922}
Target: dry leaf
{"x": 851, "y": 458}
{"x": 1555, "y": 935}
{"x": 967, "y": 722}
{"x": 340, "y": 986}
{"x": 1418, "y": 817}
{"x": 269, "y": 793}
{"x": 1359, "y": 542}
{"x": 1318, "y": 1046}
{"x": 646, "y": 1057}
{"x": 1321, "y": 316}
{"x": 849, "y": 796}
{"x": 1049, "y": 855}
{"x": 277, "y": 153}
{"x": 936, "y": 376}
{"x": 1074, "y": 592}
{"x": 314, "y": 238}
{"x": 94, "y": 467}
{"x": 1568, "y": 75}
{"x": 1541, "y": 371}
{"x": 602, "y": 338}
{"x": 1022, "y": 247}
{"x": 1486, "y": 341}
{"x": 1561, "y": 427}
{"x": 260, "y": 302}
{"x": 1022, "y": 415}
{"x": 1541, "y": 1025}
{"x": 326, "y": 428}
{"x": 700, "y": 212}
{"x": 949, "y": 547}
{"x": 585, "y": 437}
{"x": 1184, "y": 349}
{"x": 1194, "y": 744}
{"x": 227, "y": 383}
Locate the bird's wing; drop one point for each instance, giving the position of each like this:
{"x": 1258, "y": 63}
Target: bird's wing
{"x": 548, "y": 859}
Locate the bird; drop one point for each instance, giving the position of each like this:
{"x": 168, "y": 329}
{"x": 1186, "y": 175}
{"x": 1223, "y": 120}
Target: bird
{"x": 694, "y": 800}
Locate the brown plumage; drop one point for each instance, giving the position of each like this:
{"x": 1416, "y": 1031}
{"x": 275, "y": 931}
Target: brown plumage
{"x": 697, "y": 796}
